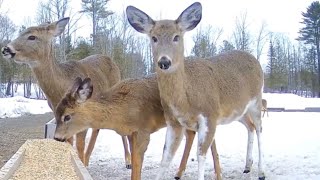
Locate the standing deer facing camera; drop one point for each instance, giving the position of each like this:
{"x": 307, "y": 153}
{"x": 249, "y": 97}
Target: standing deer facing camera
{"x": 34, "y": 47}
{"x": 202, "y": 96}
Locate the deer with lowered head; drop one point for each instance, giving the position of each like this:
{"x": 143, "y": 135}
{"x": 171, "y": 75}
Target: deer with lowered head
{"x": 204, "y": 95}
{"x": 34, "y": 47}
{"x": 131, "y": 108}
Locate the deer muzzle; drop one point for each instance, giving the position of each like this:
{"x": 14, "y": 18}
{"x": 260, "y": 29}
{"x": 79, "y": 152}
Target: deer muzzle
{"x": 59, "y": 139}
{"x": 7, "y": 52}
{"x": 164, "y": 63}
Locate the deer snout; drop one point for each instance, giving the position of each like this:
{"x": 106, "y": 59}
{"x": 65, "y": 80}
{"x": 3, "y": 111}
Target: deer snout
{"x": 164, "y": 63}
{"x": 59, "y": 139}
{"x": 7, "y": 52}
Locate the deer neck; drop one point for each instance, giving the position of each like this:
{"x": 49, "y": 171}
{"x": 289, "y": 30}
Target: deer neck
{"x": 50, "y": 77}
{"x": 172, "y": 88}
{"x": 104, "y": 114}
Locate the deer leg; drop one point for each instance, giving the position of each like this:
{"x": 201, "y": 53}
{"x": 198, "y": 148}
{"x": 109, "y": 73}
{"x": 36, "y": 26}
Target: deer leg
{"x": 247, "y": 122}
{"x": 263, "y": 113}
{"x": 206, "y": 131}
{"x": 126, "y": 152}
{"x": 256, "y": 119}
{"x": 189, "y": 141}
{"x": 258, "y": 125}
{"x": 90, "y": 147}
{"x": 216, "y": 162}
{"x": 80, "y": 142}
{"x": 173, "y": 138}
{"x": 138, "y": 145}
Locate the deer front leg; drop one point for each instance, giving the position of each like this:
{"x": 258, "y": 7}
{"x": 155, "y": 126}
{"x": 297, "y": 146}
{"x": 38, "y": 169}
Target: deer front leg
{"x": 174, "y": 136}
{"x": 90, "y": 147}
{"x": 138, "y": 145}
{"x": 189, "y": 141}
{"x": 126, "y": 152}
{"x": 206, "y": 131}
{"x": 216, "y": 162}
{"x": 80, "y": 143}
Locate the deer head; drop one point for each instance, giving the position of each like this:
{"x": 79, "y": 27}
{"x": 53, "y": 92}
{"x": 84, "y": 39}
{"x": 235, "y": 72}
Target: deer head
{"x": 34, "y": 43}
{"x": 68, "y": 122}
{"x": 166, "y": 35}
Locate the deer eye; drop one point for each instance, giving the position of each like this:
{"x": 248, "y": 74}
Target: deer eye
{"x": 67, "y": 118}
{"x": 154, "y": 39}
{"x": 176, "y": 38}
{"x": 31, "y": 38}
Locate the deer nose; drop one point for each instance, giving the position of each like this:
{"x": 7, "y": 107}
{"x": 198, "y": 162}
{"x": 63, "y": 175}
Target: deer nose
{"x": 59, "y": 139}
{"x": 7, "y": 53}
{"x": 164, "y": 63}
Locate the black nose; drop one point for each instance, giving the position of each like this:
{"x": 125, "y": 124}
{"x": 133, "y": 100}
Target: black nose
{"x": 61, "y": 140}
{"x": 7, "y": 51}
{"x": 164, "y": 63}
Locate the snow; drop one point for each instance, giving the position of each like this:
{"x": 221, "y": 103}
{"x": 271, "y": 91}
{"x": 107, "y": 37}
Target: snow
{"x": 291, "y": 144}
{"x": 18, "y": 105}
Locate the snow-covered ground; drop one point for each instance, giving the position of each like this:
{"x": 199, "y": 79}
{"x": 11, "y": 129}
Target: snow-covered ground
{"x": 291, "y": 144}
{"x": 18, "y": 105}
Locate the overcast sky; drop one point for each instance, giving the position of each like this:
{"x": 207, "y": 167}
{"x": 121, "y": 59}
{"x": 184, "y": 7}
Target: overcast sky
{"x": 280, "y": 15}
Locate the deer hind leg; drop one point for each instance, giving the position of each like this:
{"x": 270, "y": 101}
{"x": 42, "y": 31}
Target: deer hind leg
{"x": 174, "y": 136}
{"x": 216, "y": 162}
{"x": 264, "y": 111}
{"x": 189, "y": 141}
{"x": 138, "y": 145}
{"x": 127, "y": 154}
{"x": 80, "y": 143}
{"x": 247, "y": 122}
{"x": 255, "y": 114}
{"x": 90, "y": 147}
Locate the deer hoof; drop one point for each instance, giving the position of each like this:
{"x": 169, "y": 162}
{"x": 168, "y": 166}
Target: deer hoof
{"x": 247, "y": 171}
{"x": 128, "y": 166}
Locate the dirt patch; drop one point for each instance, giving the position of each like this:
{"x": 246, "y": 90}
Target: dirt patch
{"x": 15, "y": 131}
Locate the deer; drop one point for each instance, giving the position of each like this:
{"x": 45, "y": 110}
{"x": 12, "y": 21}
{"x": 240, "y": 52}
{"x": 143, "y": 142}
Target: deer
{"x": 265, "y": 107}
{"x": 131, "y": 108}
{"x": 204, "y": 95}
{"x": 34, "y": 47}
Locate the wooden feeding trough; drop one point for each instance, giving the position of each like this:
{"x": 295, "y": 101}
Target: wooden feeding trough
{"x": 41, "y": 159}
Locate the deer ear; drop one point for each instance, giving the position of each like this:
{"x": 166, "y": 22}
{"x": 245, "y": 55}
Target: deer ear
{"x": 76, "y": 84}
{"x": 84, "y": 91}
{"x": 139, "y": 20}
{"x": 57, "y": 28}
{"x": 190, "y": 17}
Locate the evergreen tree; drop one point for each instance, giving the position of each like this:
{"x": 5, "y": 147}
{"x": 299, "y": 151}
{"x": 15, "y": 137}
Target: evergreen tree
{"x": 96, "y": 10}
{"x": 310, "y": 33}
{"x": 227, "y": 46}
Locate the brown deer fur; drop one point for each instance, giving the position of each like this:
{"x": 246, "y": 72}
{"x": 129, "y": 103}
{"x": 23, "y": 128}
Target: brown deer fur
{"x": 132, "y": 108}
{"x": 226, "y": 89}
{"x": 34, "y": 47}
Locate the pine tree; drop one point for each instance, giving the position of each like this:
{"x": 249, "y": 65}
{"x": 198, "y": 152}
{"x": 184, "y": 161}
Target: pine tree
{"x": 310, "y": 33}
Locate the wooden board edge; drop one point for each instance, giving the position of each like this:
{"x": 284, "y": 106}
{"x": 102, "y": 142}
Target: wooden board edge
{"x": 81, "y": 171}
{"x": 12, "y": 165}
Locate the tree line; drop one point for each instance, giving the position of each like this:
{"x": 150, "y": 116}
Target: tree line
{"x": 292, "y": 65}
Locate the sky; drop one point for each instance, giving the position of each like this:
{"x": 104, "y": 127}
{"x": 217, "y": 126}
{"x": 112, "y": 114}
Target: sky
{"x": 280, "y": 15}
{"x": 290, "y": 144}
